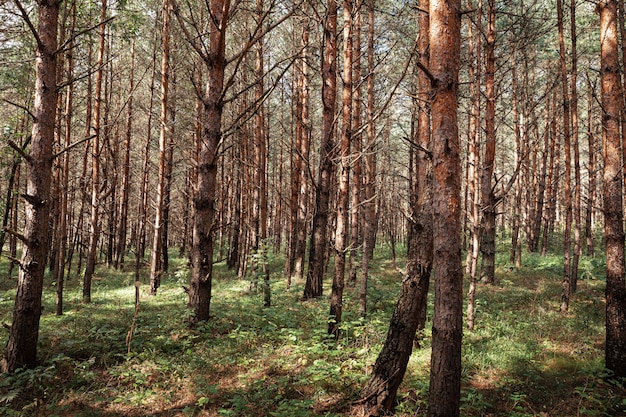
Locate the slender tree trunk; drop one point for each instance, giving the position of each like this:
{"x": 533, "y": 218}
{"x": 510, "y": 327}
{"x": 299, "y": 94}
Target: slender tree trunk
{"x": 21, "y": 348}
{"x": 343, "y": 196}
{"x": 317, "y": 252}
{"x": 95, "y": 164}
{"x": 357, "y": 146}
{"x": 612, "y": 103}
{"x": 516, "y": 209}
{"x": 488, "y": 198}
{"x": 123, "y": 211}
{"x": 574, "y": 109}
{"x": 303, "y": 154}
{"x": 591, "y": 192}
{"x": 474, "y": 163}
{"x": 369, "y": 181}
{"x": 554, "y": 174}
{"x": 65, "y": 161}
{"x": 156, "y": 263}
{"x": 567, "y": 240}
{"x": 445, "y": 368}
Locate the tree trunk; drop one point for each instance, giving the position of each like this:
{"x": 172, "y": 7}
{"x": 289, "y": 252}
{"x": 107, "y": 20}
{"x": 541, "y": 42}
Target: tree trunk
{"x": 612, "y": 103}
{"x": 474, "y": 162}
{"x": 201, "y": 254}
{"x": 577, "y": 184}
{"x": 567, "y": 240}
{"x": 369, "y": 181}
{"x": 303, "y": 153}
{"x": 95, "y": 164}
{"x": 123, "y": 213}
{"x": 59, "y": 270}
{"x": 410, "y": 312}
{"x": 156, "y": 262}
{"x": 343, "y": 195}
{"x": 319, "y": 243}
{"x": 357, "y": 146}
{"x": 21, "y": 349}
{"x": 445, "y": 369}
{"x": 488, "y": 198}
{"x": 591, "y": 192}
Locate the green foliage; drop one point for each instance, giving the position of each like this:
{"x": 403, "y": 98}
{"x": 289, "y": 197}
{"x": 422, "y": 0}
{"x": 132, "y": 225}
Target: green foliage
{"x": 524, "y": 357}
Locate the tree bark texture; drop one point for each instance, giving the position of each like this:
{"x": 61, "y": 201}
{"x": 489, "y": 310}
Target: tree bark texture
{"x": 94, "y": 233}
{"x": 21, "y": 349}
{"x": 445, "y": 374}
{"x": 488, "y": 198}
{"x": 613, "y": 209}
{"x": 201, "y": 254}
{"x": 317, "y": 251}
{"x": 567, "y": 239}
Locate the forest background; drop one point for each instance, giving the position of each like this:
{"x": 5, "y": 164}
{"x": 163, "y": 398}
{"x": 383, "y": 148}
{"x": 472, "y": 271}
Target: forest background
{"x": 282, "y": 145}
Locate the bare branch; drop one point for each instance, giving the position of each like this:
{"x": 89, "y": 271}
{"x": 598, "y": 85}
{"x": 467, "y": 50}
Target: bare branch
{"x": 19, "y": 106}
{"x": 30, "y": 25}
{"x": 17, "y": 234}
{"x": 18, "y": 149}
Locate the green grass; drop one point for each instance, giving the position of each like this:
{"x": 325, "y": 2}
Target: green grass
{"x": 524, "y": 358}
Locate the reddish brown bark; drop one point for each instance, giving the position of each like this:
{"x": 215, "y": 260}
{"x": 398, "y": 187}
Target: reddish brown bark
{"x": 445, "y": 369}
{"x": 567, "y": 240}
{"x": 369, "y": 180}
{"x": 612, "y": 102}
{"x": 21, "y": 349}
{"x": 343, "y": 196}
{"x": 94, "y": 234}
{"x": 201, "y": 253}
{"x": 488, "y": 198}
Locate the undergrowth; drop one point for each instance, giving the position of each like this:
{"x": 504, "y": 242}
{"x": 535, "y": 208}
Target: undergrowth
{"x": 524, "y": 358}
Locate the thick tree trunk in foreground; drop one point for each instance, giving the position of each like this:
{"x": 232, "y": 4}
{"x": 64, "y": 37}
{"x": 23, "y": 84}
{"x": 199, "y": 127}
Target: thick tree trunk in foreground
{"x": 445, "y": 368}
{"x": 201, "y": 253}
{"x": 21, "y": 349}
{"x": 613, "y": 209}
{"x": 317, "y": 251}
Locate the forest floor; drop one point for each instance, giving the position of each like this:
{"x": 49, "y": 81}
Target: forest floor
{"x": 524, "y": 358}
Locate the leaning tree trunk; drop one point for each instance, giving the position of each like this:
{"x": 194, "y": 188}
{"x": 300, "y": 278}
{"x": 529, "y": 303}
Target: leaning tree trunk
{"x": 409, "y": 315}
{"x": 613, "y": 209}
{"x": 445, "y": 368}
{"x": 21, "y": 349}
